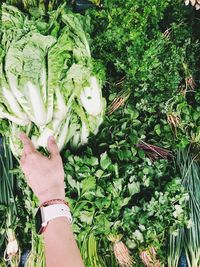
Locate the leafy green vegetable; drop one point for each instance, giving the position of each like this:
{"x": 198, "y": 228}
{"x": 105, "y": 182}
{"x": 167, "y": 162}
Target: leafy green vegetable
{"x": 150, "y": 51}
{"x": 48, "y": 85}
{"x": 188, "y": 238}
{"x": 8, "y": 201}
{"x": 110, "y": 193}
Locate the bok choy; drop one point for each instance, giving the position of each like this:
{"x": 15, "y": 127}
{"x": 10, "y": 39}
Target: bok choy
{"x": 49, "y": 83}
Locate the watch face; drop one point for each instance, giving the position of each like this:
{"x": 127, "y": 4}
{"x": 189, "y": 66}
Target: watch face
{"x": 38, "y": 221}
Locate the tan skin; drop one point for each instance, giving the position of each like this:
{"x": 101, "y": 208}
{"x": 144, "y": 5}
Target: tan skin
{"x": 45, "y": 176}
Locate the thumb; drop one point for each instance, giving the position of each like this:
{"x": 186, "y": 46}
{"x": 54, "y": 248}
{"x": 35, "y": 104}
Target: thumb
{"x": 52, "y": 147}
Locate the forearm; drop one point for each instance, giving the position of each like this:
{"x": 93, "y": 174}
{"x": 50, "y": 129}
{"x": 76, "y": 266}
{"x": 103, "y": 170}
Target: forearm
{"x": 60, "y": 245}
{"x": 45, "y": 175}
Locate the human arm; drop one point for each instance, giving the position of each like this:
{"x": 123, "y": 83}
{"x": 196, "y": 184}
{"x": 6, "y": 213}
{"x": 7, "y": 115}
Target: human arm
{"x": 46, "y": 178}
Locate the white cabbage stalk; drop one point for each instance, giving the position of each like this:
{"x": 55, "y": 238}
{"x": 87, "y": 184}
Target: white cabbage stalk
{"x": 76, "y": 139}
{"x": 19, "y": 95}
{"x": 43, "y": 80}
{"x": 73, "y": 129}
{"x": 50, "y": 106}
{"x": 47, "y": 131}
{"x": 63, "y": 134}
{"x": 11, "y": 117}
{"x": 60, "y": 109}
{"x": 84, "y": 134}
{"x": 43, "y": 138}
{"x": 49, "y": 102}
{"x": 47, "y": 95}
{"x": 91, "y": 98}
{"x": 40, "y": 116}
{"x": 13, "y": 104}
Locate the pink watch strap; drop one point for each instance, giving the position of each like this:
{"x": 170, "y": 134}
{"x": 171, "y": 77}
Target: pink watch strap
{"x": 54, "y": 201}
{"x": 55, "y": 211}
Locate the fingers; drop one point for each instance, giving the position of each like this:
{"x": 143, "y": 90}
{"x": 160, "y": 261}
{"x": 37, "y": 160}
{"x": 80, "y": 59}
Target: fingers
{"x": 28, "y": 145}
{"x": 22, "y": 159}
{"x": 52, "y": 147}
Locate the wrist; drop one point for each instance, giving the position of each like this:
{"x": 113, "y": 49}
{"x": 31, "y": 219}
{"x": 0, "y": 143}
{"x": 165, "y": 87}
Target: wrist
{"x": 54, "y": 202}
{"x": 49, "y": 211}
{"x": 51, "y": 193}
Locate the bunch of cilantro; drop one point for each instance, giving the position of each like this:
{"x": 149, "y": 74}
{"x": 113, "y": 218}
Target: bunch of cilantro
{"x": 114, "y": 188}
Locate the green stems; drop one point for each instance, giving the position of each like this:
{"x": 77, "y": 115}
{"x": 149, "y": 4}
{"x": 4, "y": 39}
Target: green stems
{"x": 188, "y": 239}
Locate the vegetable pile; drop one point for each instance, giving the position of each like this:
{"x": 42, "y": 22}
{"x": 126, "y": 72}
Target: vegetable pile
{"x": 134, "y": 187}
{"x": 49, "y": 82}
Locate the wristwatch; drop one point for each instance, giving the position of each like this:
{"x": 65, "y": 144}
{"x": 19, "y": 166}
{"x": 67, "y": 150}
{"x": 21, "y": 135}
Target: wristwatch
{"x": 50, "y": 210}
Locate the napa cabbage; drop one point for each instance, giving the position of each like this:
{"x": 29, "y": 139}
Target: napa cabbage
{"x": 49, "y": 83}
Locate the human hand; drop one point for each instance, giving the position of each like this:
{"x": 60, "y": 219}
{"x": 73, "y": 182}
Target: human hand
{"x": 44, "y": 175}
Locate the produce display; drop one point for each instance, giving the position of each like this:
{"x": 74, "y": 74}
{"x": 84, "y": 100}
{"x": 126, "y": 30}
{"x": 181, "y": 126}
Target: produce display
{"x": 117, "y": 83}
{"x": 49, "y": 85}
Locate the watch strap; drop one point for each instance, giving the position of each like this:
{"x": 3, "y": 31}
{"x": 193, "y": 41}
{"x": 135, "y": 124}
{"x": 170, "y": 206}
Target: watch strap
{"x": 54, "y": 201}
{"x": 55, "y": 211}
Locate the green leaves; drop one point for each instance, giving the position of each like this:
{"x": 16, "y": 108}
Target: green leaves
{"x": 86, "y": 217}
{"x": 111, "y": 184}
{"x": 105, "y": 161}
{"x": 50, "y": 84}
{"x": 88, "y": 184}
{"x": 147, "y": 48}
{"x": 8, "y": 200}
{"x": 188, "y": 238}
{"x": 134, "y": 188}
{"x": 114, "y": 193}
